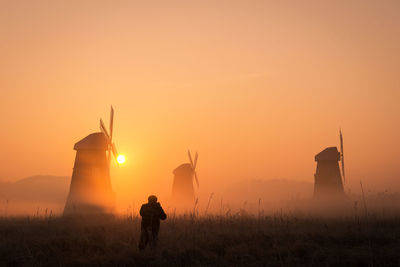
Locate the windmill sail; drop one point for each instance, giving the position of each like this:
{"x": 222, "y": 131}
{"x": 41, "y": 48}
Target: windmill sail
{"x": 103, "y": 129}
{"x": 193, "y": 165}
{"x": 195, "y": 160}
{"x": 194, "y": 168}
{"x": 111, "y": 122}
{"x": 190, "y": 158}
{"x": 342, "y": 156}
{"x": 197, "y": 180}
{"x": 111, "y": 147}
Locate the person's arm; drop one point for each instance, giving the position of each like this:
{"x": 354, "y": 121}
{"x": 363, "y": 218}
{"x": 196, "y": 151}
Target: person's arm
{"x": 163, "y": 216}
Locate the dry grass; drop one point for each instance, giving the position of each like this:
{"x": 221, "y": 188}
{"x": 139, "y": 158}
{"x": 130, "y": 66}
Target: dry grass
{"x": 276, "y": 240}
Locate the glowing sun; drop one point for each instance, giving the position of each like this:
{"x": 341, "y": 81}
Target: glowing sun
{"x": 121, "y": 159}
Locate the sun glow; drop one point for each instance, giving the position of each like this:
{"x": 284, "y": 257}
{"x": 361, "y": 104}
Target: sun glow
{"x": 121, "y": 159}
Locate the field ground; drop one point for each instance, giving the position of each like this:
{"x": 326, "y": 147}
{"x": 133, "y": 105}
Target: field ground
{"x": 276, "y": 240}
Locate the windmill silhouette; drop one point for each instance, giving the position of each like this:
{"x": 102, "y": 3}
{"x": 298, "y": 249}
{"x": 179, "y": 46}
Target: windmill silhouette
{"x": 90, "y": 190}
{"x": 182, "y": 188}
{"x": 328, "y": 180}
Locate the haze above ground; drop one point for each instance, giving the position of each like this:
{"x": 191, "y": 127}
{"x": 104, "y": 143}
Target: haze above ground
{"x": 257, "y": 88}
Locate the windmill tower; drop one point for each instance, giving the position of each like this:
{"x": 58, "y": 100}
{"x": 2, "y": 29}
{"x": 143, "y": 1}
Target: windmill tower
{"x": 182, "y": 187}
{"x": 328, "y": 180}
{"x": 90, "y": 190}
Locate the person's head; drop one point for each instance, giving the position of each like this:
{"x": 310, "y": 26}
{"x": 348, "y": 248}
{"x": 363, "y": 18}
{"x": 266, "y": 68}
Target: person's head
{"x": 152, "y": 199}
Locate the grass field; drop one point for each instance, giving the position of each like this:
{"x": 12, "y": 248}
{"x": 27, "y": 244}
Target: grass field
{"x": 276, "y": 240}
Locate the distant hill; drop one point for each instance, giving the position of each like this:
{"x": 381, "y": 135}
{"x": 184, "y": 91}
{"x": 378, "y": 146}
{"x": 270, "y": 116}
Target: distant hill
{"x": 32, "y": 192}
{"x": 273, "y": 191}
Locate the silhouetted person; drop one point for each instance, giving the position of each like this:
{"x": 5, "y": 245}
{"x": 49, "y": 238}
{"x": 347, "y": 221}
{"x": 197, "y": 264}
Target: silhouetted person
{"x": 151, "y": 213}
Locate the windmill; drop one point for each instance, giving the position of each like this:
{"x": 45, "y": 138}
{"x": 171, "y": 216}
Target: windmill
{"x": 90, "y": 190}
{"x": 182, "y": 188}
{"x": 328, "y": 181}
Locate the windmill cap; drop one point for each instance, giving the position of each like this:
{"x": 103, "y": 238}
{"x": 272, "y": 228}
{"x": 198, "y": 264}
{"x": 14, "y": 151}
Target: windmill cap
{"x": 94, "y": 141}
{"x": 328, "y": 154}
{"x": 183, "y": 168}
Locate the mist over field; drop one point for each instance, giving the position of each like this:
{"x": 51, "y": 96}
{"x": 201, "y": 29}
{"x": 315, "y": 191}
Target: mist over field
{"x": 38, "y": 193}
{"x": 46, "y": 195}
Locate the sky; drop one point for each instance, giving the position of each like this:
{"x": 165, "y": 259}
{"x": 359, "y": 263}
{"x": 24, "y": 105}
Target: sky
{"x": 258, "y": 88}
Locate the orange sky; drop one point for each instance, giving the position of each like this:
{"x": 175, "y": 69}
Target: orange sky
{"x": 257, "y": 87}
